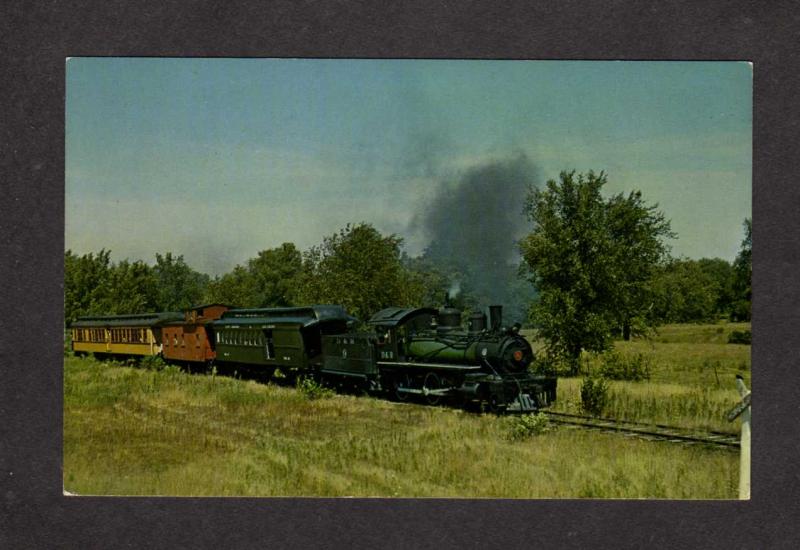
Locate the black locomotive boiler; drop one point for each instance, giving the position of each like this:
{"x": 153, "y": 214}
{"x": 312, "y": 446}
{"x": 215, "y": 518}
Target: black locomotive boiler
{"x": 425, "y": 352}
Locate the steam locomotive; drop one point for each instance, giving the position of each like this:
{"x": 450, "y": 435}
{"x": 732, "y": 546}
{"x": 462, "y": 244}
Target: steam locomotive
{"x": 408, "y": 353}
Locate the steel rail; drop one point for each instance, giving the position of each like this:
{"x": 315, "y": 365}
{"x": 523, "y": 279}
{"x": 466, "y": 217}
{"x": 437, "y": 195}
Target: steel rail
{"x": 646, "y": 431}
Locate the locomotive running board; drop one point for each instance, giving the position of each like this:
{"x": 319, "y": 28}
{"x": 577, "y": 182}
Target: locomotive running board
{"x": 428, "y": 365}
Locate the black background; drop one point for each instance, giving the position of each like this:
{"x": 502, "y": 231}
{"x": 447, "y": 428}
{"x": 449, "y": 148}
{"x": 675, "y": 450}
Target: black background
{"x": 35, "y": 39}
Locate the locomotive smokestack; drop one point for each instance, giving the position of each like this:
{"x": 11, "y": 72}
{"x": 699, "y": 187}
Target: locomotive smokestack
{"x": 496, "y": 317}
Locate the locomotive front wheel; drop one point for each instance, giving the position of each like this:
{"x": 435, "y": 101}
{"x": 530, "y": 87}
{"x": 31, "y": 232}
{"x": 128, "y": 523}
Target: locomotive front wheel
{"x": 432, "y": 382}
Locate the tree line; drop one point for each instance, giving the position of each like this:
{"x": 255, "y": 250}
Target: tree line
{"x": 357, "y": 267}
{"x": 593, "y": 268}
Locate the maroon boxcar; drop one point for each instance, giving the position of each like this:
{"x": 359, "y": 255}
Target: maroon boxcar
{"x": 191, "y": 340}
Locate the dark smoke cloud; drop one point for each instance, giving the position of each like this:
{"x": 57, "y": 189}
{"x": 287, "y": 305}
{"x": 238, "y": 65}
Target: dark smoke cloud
{"x": 425, "y": 152}
{"x": 474, "y": 223}
{"x": 480, "y": 217}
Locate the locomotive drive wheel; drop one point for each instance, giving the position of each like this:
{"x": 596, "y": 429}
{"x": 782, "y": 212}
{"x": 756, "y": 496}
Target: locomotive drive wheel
{"x": 400, "y": 381}
{"x": 432, "y": 382}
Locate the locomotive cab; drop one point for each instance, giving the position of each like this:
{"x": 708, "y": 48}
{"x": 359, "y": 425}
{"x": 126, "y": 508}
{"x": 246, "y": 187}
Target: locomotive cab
{"x": 394, "y": 326}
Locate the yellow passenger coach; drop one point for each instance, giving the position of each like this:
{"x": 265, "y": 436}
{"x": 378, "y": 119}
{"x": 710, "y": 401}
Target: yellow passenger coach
{"x": 138, "y": 334}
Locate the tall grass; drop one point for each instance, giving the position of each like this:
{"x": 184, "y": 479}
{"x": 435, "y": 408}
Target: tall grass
{"x": 658, "y": 403}
{"x": 684, "y": 354}
{"x": 692, "y": 373}
{"x": 129, "y": 431}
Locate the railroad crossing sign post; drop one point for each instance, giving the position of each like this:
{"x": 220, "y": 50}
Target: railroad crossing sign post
{"x": 743, "y": 408}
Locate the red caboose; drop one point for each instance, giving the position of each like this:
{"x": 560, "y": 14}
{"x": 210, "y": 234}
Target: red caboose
{"x": 191, "y": 340}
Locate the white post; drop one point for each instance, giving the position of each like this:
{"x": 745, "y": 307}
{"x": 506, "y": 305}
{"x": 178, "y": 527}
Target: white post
{"x": 744, "y": 458}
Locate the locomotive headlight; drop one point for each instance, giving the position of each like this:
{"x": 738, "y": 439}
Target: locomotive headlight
{"x": 515, "y": 354}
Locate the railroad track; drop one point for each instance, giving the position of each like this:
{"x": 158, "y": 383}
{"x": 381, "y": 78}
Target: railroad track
{"x": 643, "y": 430}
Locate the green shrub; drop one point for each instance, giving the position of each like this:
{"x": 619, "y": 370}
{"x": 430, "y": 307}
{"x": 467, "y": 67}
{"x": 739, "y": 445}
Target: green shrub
{"x": 739, "y": 337}
{"x": 68, "y": 344}
{"x": 153, "y": 362}
{"x": 634, "y": 368}
{"x": 527, "y": 425}
{"x": 594, "y": 395}
{"x": 313, "y": 389}
{"x": 278, "y": 374}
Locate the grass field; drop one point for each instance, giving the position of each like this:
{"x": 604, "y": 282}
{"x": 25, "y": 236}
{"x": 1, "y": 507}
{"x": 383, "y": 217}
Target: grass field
{"x": 130, "y": 431}
{"x": 692, "y": 384}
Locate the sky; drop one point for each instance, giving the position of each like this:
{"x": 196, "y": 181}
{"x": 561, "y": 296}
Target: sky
{"x": 217, "y": 159}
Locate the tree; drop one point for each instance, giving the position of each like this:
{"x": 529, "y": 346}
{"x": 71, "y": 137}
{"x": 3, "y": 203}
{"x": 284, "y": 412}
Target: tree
{"x": 131, "y": 287}
{"x": 743, "y": 274}
{"x": 179, "y": 286}
{"x": 93, "y": 285}
{"x": 683, "y": 292}
{"x": 687, "y": 291}
{"x": 428, "y": 282}
{"x": 637, "y": 249}
{"x": 360, "y": 269}
{"x": 722, "y": 274}
{"x": 270, "y": 279}
{"x": 275, "y": 275}
{"x": 236, "y": 288}
{"x": 590, "y": 259}
{"x": 83, "y": 276}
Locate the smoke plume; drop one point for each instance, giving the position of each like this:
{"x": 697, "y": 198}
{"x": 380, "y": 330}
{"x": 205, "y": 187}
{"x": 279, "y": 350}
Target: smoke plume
{"x": 455, "y": 289}
{"x": 474, "y": 222}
